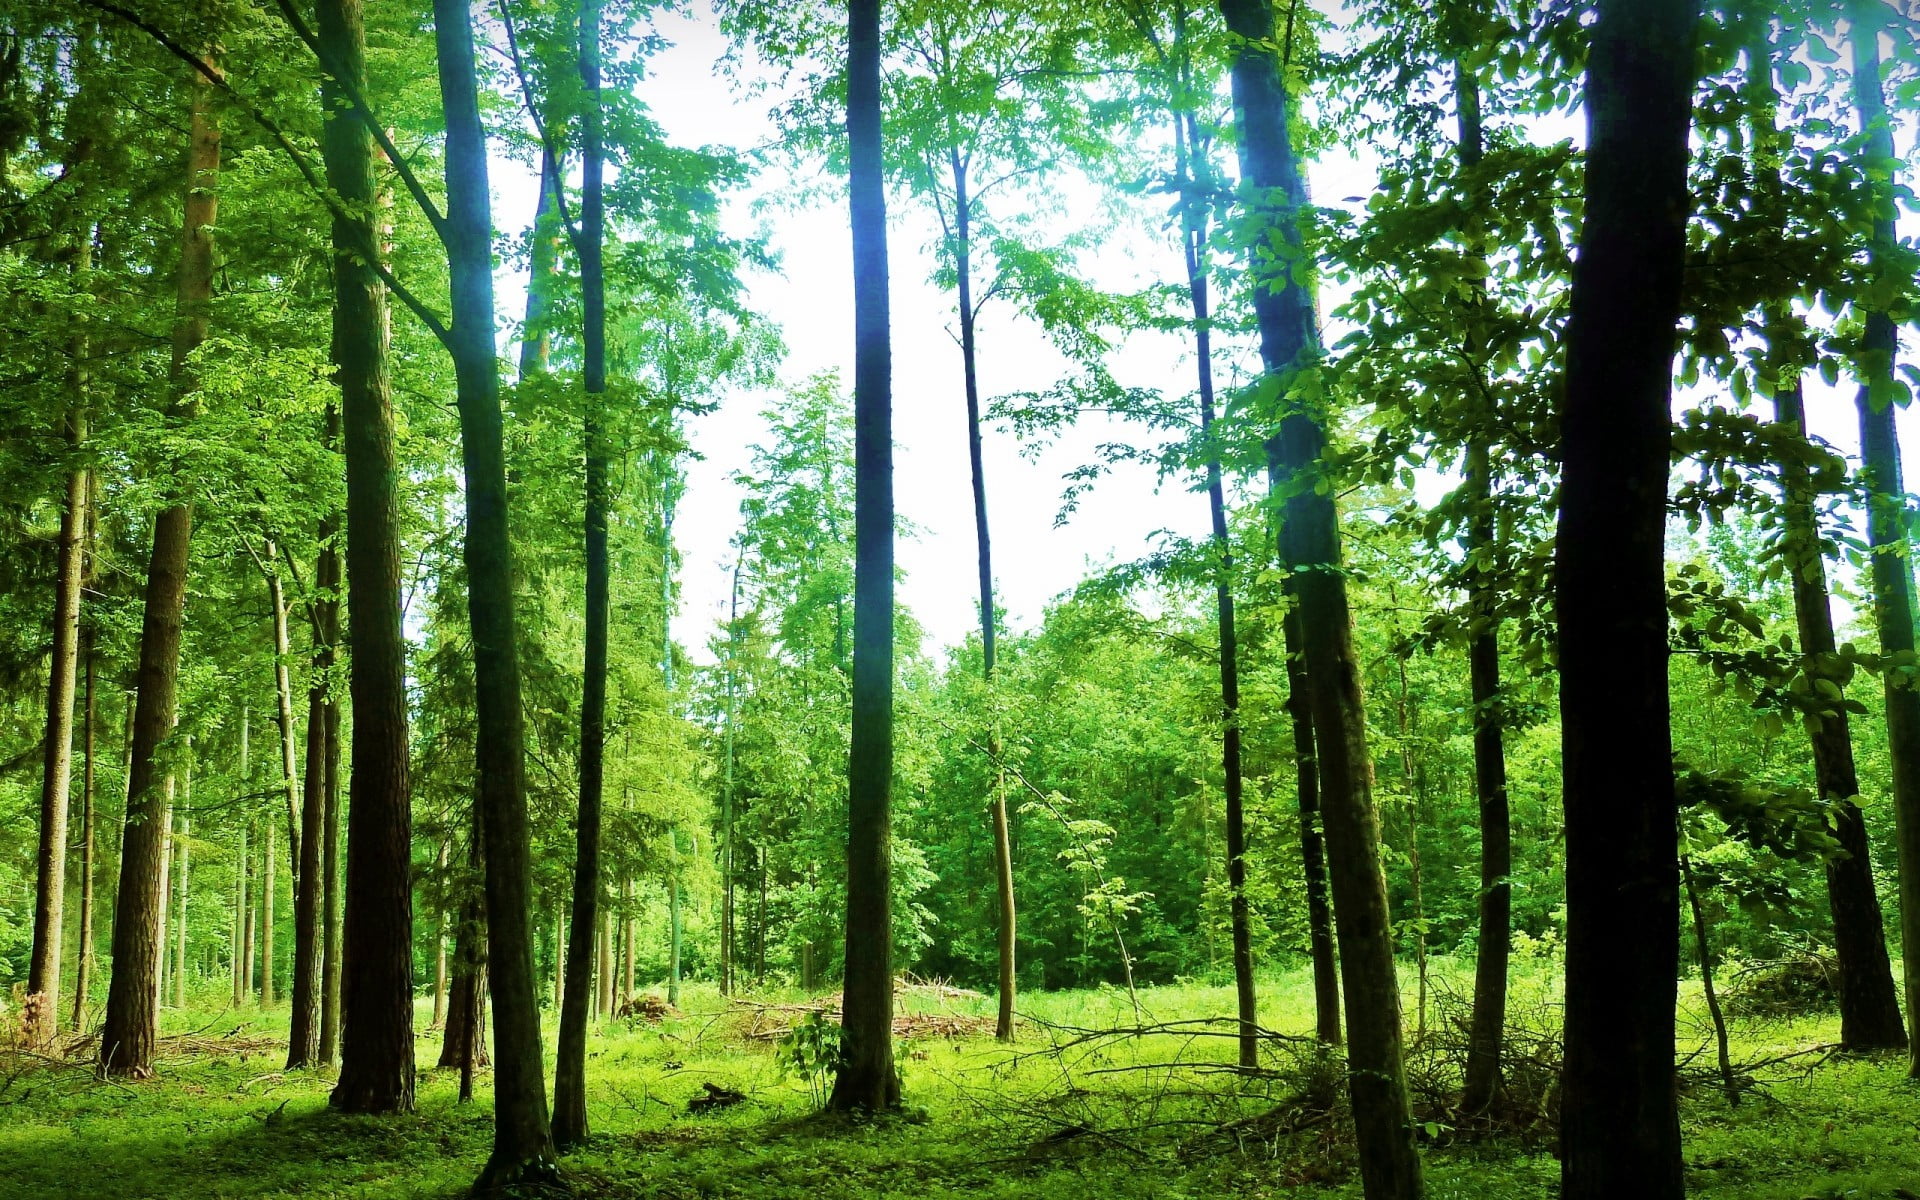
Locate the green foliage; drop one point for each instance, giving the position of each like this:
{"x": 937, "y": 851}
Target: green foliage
{"x": 810, "y": 1052}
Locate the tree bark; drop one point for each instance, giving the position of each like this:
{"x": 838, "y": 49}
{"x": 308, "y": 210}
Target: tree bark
{"x": 1313, "y": 862}
{"x": 283, "y": 707}
{"x": 543, "y": 274}
{"x": 1006, "y": 944}
{"x": 1310, "y": 549}
{"x": 309, "y": 934}
{"x": 84, "y": 966}
{"x": 463, "y": 1045}
{"x": 1620, "y": 1131}
{"x": 183, "y": 843}
{"x": 330, "y": 889}
{"x": 866, "y": 1078}
{"x": 1486, "y": 1036}
{"x": 127, "y": 1037}
{"x": 522, "y": 1148}
{"x": 1892, "y": 578}
{"x": 269, "y": 889}
{"x": 42, "y": 1012}
{"x": 376, "y": 968}
{"x": 570, "y": 1071}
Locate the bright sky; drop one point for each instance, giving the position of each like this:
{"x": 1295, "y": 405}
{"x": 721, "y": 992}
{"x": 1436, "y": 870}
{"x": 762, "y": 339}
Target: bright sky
{"x": 811, "y": 300}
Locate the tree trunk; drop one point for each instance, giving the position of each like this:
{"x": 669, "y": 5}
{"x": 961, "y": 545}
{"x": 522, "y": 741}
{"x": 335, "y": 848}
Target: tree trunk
{"x": 1326, "y": 966}
{"x": 543, "y": 274}
{"x": 1620, "y": 1131}
{"x": 269, "y": 888}
{"x": 242, "y": 916}
{"x": 570, "y": 1071}
{"x": 673, "y": 941}
{"x": 729, "y": 934}
{"x": 376, "y": 969}
{"x": 464, "y": 1042}
{"x": 1486, "y": 1036}
{"x": 330, "y": 894}
{"x": 1703, "y": 957}
{"x": 1310, "y": 549}
{"x": 1193, "y": 250}
{"x": 309, "y": 935}
{"x": 1886, "y": 512}
{"x": 283, "y": 708}
{"x": 866, "y": 1078}
{"x": 626, "y": 941}
{"x": 440, "y": 949}
{"x": 997, "y": 807}
{"x": 84, "y": 967}
{"x": 184, "y": 844}
{"x": 522, "y": 1147}
{"x": 126, "y": 1039}
{"x": 42, "y": 1013}
{"x": 163, "y": 949}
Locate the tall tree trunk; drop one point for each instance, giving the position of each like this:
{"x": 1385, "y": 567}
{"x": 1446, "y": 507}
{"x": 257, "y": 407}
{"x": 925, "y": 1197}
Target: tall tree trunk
{"x": 283, "y": 707}
{"x": 729, "y": 934}
{"x": 1486, "y": 1035}
{"x": 1310, "y": 549}
{"x": 49, "y": 908}
{"x": 673, "y": 940}
{"x": 626, "y": 940}
{"x": 463, "y": 1045}
{"x": 242, "y": 905}
{"x": 163, "y": 949}
{"x": 543, "y": 275}
{"x": 330, "y": 898}
{"x": 1313, "y": 862}
{"x": 84, "y": 966}
{"x": 522, "y": 1147}
{"x": 570, "y": 1071}
{"x": 303, "y": 1036}
{"x": 1869, "y": 1004}
{"x": 1193, "y": 241}
{"x": 866, "y": 1078}
{"x": 309, "y": 935}
{"x": 269, "y": 890}
{"x": 1892, "y": 578}
{"x": 127, "y": 1038}
{"x": 376, "y": 968}
{"x": 1620, "y": 1132}
{"x": 183, "y": 842}
{"x": 440, "y": 948}
{"x": 997, "y": 806}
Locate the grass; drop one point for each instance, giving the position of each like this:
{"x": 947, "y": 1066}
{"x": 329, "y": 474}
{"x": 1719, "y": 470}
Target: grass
{"x": 1097, "y": 1121}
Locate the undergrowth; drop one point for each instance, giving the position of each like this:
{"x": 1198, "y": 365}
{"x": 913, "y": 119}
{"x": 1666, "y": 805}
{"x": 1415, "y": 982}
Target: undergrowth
{"x": 1076, "y": 1108}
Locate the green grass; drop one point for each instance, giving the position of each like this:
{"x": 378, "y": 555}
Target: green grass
{"x": 222, "y": 1125}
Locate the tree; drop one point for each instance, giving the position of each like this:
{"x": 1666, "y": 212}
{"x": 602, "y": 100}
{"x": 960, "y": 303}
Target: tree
{"x": 1892, "y": 578}
{"x": 866, "y": 1078}
{"x": 1620, "y": 1132}
{"x": 127, "y": 1037}
{"x": 1869, "y": 1008}
{"x": 376, "y": 965}
{"x": 522, "y": 1144}
{"x": 1310, "y": 551}
{"x": 570, "y": 1071}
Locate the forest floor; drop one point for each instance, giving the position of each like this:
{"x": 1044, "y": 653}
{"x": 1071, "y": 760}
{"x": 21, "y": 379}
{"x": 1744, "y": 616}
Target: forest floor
{"x": 1060, "y": 1114}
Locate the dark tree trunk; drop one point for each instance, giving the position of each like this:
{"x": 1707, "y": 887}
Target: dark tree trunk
{"x": 84, "y": 965}
{"x": 522, "y": 1145}
{"x": 866, "y": 1078}
{"x": 464, "y": 1043}
{"x": 1326, "y": 965}
{"x": 330, "y": 889}
{"x": 570, "y": 1071}
{"x": 1869, "y": 1004}
{"x": 303, "y": 1038}
{"x": 1486, "y": 1037}
{"x": 1892, "y": 578}
{"x": 127, "y": 1037}
{"x": 1193, "y": 250}
{"x": 997, "y": 808}
{"x": 376, "y": 968}
{"x": 42, "y": 1014}
{"x": 1620, "y": 1132}
{"x": 1310, "y": 549}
